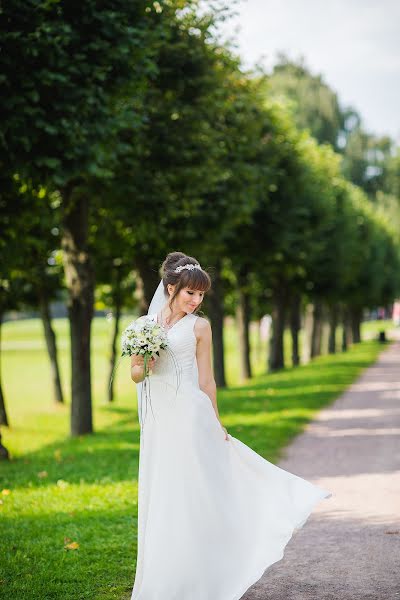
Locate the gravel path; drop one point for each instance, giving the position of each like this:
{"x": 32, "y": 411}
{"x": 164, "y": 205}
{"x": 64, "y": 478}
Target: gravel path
{"x": 350, "y": 546}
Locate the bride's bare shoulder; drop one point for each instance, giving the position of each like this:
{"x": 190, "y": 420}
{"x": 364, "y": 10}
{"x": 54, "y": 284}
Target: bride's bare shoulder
{"x": 202, "y": 327}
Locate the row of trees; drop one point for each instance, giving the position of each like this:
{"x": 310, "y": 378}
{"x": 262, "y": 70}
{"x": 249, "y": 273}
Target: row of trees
{"x": 138, "y": 132}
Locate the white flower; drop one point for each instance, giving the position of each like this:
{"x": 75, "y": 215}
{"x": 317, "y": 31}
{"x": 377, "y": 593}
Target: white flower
{"x": 143, "y": 336}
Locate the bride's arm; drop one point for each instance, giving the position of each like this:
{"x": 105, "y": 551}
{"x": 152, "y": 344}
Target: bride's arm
{"x": 207, "y": 383}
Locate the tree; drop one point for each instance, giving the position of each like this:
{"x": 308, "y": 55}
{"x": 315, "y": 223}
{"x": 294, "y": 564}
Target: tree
{"x": 315, "y": 106}
{"x": 368, "y": 162}
{"x": 73, "y": 62}
{"x": 195, "y": 170}
{"x": 30, "y": 273}
{"x": 112, "y": 248}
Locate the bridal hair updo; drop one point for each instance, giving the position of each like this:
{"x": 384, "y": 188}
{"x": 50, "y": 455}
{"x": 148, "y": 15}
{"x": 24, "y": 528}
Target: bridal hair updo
{"x": 195, "y": 279}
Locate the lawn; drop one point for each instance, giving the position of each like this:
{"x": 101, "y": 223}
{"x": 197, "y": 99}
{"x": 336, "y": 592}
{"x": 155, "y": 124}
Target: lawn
{"x": 69, "y": 506}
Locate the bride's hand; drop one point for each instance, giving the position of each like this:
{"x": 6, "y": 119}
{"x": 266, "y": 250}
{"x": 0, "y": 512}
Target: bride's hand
{"x": 137, "y": 367}
{"x": 138, "y": 359}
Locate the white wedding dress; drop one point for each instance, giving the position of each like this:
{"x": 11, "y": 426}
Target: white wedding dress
{"x": 212, "y": 513}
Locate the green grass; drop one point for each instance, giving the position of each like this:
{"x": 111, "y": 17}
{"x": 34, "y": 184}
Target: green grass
{"x": 84, "y": 490}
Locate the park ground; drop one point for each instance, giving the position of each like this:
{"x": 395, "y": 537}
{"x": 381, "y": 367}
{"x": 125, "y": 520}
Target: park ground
{"x": 349, "y": 549}
{"x": 69, "y": 506}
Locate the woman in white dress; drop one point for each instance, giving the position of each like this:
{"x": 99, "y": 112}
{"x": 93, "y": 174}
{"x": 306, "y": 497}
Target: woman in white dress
{"x": 212, "y": 513}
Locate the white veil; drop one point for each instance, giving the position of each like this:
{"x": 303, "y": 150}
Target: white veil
{"x": 157, "y": 302}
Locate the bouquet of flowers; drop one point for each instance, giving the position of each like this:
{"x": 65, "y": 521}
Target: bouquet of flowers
{"x": 146, "y": 337}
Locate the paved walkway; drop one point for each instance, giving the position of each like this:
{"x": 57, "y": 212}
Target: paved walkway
{"x": 349, "y": 549}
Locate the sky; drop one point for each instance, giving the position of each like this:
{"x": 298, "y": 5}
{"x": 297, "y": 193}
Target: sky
{"x": 354, "y": 44}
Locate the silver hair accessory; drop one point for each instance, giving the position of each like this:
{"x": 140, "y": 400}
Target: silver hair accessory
{"x": 188, "y": 266}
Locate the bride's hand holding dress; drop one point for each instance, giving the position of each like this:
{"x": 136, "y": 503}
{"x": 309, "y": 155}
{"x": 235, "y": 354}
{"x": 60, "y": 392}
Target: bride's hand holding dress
{"x": 202, "y": 330}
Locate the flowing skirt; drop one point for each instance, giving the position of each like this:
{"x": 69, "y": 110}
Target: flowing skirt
{"x": 212, "y": 513}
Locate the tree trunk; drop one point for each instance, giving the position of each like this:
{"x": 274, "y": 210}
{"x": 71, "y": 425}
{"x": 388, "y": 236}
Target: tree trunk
{"x": 344, "y": 339}
{"x": 80, "y": 283}
{"x": 349, "y": 331}
{"x": 320, "y": 328}
{"x": 243, "y": 321}
{"x": 113, "y": 355}
{"x": 51, "y": 345}
{"x": 150, "y": 280}
{"x": 355, "y": 324}
{"x": 3, "y": 451}
{"x": 333, "y": 321}
{"x": 259, "y": 342}
{"x": 346, "y": 334}
{"x": 276, "y": 353}
{"x": 316, "y": 333}
{"x": 295, "y": 322}
{"x": 308, "y": 326}
{"x": 3, "y": 412}
{"x": 216, "y": 309}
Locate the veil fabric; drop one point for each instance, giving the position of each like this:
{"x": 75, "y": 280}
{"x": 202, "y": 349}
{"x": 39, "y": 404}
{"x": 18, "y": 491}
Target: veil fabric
{"x": 157, "y": 302}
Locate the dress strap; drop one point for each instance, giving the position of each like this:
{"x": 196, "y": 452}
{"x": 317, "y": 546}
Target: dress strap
{"x": 192, "y": 320}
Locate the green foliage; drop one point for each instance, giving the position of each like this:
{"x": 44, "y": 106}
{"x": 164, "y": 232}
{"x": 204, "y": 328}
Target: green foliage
{"x": 170, "y": 138}
{"x": 314, "y": 105}
{"x": 73, "y": 60}
{"x": 138, "y": 112}
{"x": 30, "y": 238}
{"x": 368, "y": 161}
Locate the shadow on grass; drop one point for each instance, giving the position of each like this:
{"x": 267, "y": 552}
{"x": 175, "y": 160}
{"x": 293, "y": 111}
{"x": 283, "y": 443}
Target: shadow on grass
{"x": 269, "y": 411}
{"x": 109, "y": 455}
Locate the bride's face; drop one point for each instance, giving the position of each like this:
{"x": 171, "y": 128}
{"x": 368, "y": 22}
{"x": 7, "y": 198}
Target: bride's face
{"x": 188, "y": 300}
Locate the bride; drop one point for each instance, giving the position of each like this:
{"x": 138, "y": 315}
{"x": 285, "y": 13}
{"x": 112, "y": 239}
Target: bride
{"x": 213, "y": 514}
